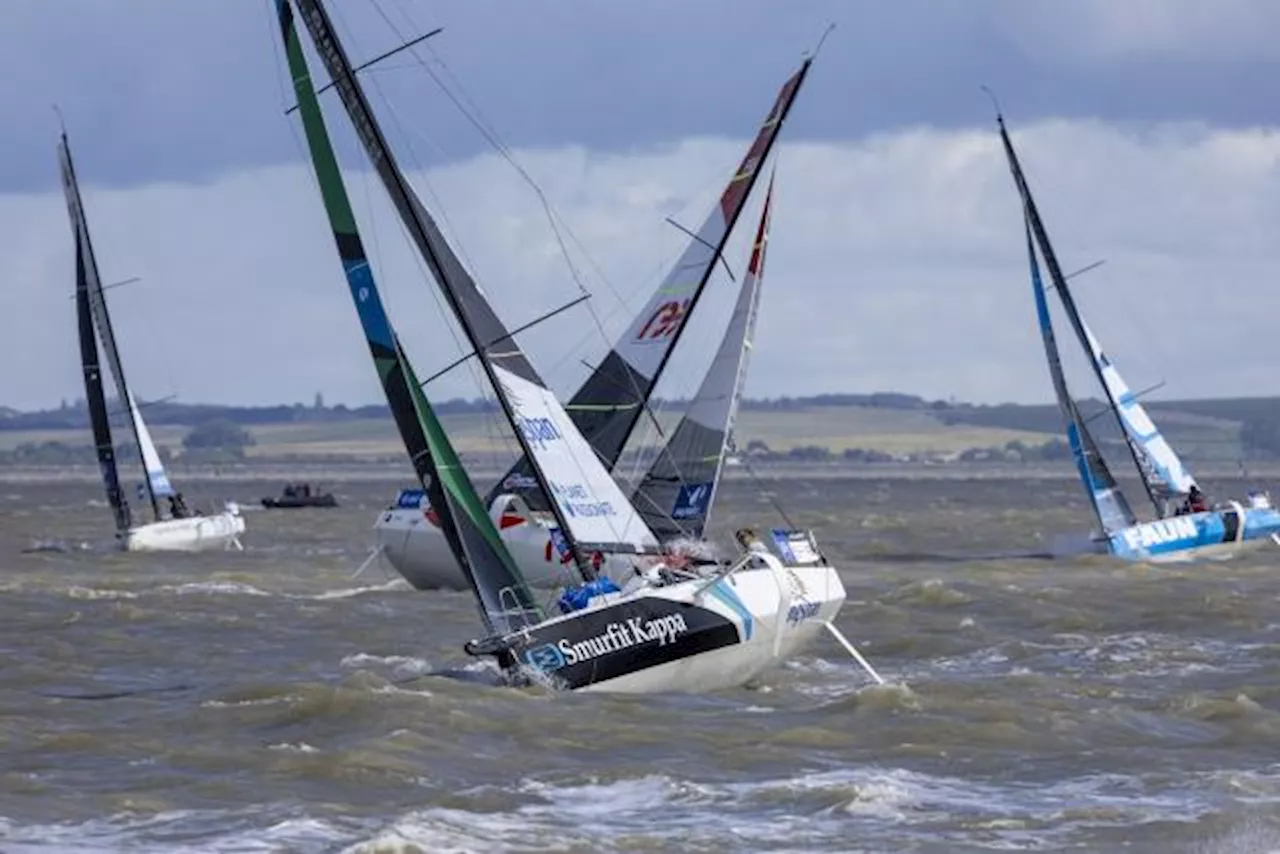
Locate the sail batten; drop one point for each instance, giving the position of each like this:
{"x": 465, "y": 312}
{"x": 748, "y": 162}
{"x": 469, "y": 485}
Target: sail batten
{"x": 676, "y": 494}
{"x": 607, "y": 408}
{"x": 503, "y": 596}
{"x": 587, "y": 503}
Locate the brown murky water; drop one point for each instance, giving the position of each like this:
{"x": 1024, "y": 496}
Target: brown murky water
{"x": 266, "y": 701}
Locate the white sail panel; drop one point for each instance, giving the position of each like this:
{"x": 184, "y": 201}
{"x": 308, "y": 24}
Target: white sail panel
{"x": 156, "y": 474}
{"x": 1141, "y": 429}
{"x": 594, "y": 507}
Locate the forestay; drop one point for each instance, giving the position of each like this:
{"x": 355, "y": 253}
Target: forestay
{"x": 609, "y": 404}
{"x": 677, "y": 492}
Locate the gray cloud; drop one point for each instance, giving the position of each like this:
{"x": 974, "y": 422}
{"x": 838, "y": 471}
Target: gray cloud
{"x": 169, "y": 91}
{"x": 896, "y": 263}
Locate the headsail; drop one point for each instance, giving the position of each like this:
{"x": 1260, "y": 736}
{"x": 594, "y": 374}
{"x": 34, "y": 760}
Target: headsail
{"x": 589, "y": 506}
{"x": 102, "y": 320}
{"x": 505, "y": 601}
{"x": 1068, "y": 301}
{"x": 676, "y": 494}
{"x": 1162, "y": 464}
{"x": 1109, "y": 505}
{"x": 609, "y": 404}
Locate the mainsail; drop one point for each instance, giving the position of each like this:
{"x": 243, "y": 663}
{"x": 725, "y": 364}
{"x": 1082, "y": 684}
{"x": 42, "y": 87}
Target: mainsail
{"x": 590, "y": 508}
{"x": 1068, "y": 301}
{"x": 157, "y": 482}
{"x": 1108, "y": 502}
{"x": 676, "y": 494}
{"x": 96, "y": 399}
{"x": 609, "y": 404}
{"x": 506, "y": 603}
{"x": 1161, "y": 464}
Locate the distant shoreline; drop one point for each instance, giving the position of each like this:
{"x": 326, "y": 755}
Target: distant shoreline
{"x": 333, "y": 472}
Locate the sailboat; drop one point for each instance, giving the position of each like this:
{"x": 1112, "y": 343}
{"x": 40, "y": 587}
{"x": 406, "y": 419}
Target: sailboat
{"x": 607, "y": 409}
{"x": 690, "y": 627}
{"x": 175, "y": 527}
{"x": 1179, "y": 531}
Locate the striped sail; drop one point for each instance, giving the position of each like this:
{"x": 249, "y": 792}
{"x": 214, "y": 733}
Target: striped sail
{"x": 608, "y": 406}
{"x": 677, "y": 492}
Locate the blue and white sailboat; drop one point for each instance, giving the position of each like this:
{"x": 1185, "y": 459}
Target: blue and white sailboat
{"x": 1184, "y": 528}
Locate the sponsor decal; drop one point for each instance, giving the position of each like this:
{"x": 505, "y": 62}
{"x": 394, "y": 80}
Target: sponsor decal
{"x": 800, "y": 612}
{"x": 517, "y": 480}
{"x": 538, "y": 431}
{"x": 410, "y": 499}
{"x": 1162, "y": 531}
{"x": 577, "y": 501}
{"x": 692, "y": 501}
{"x": 630, "y": 633}
{"x": 664, "y": 321}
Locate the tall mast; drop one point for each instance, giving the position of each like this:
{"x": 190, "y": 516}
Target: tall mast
{"x": 1068, "y": 302}
{"x": 98, "y": 306}
{"x": 505, "y": 601}
{"x": 485, "y": 332}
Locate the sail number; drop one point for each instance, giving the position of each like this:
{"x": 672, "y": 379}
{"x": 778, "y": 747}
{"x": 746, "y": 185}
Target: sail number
{"x": 664, "y": 321}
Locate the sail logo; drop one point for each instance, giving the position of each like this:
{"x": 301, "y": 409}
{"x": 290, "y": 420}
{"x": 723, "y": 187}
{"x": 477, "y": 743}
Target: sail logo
{"x": 519, "y": 480}
{"x": 664, "y": 321}
{"x": 1160, "y": 532}
{"x": 538, "y": 431}
{"x": 631, "y": 633}
{"x": 692, "y": 501}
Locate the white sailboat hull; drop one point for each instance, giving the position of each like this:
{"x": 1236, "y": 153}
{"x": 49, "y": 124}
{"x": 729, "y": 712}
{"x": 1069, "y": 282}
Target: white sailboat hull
{"x": 192, "y": 534}
{"x": 417, "y": 549}
{"x": 694, "y": 636}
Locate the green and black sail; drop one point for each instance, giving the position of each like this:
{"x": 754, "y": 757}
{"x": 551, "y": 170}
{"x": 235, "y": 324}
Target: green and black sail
{"x": 590, "y": 509}
{"x": 506, "y": 603}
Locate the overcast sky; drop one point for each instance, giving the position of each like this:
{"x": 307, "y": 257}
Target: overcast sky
{"x": 1146, "y": 127}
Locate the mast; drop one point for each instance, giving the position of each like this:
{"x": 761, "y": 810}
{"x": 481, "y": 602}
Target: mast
{"x": 1068, "y": 301}
{"x": 98, "y": 306}
{"x": 504, "y": 598}
{"x": 508, "y": 371}
{"x": 679, "y": 489}
{"x": 608, "y": 406}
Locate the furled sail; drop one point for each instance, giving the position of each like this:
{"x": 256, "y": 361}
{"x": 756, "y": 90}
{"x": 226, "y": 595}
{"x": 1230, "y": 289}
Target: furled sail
{"x": 589, "y": 506}
{"x": 609, "y": 404}
{"x": 506, "y": 603}
{"x": 676, "y": 493}
{"x": 102, "y": 320}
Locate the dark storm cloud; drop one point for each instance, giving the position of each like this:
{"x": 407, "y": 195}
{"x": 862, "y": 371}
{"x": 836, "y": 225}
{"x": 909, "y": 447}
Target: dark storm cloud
{"x": 175, "y": 90}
